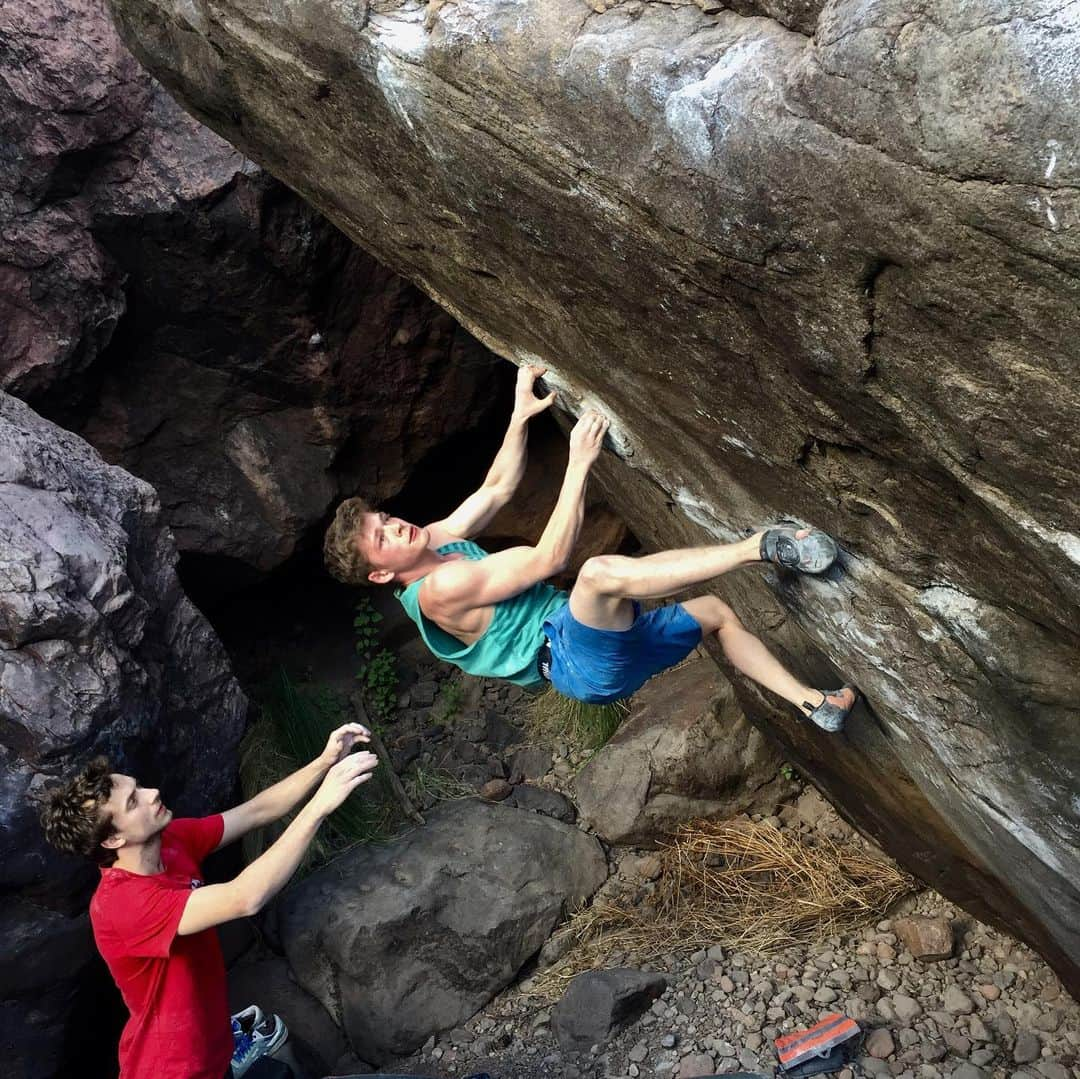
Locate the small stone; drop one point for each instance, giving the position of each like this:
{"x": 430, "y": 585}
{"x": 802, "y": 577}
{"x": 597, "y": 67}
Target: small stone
{"x": 668, "y": 1041}
{"x": 695, "y": 1064}
{"x": 957, "y": 1043}
{"x": 811, "y": 807}
{"x": 642, "y": 867}
{"x": 957, "y": 1002}
{"x": 977, "y": 1030}
{"x": 1052, "y": 1070}
{"x": 967, "y": 1071}
{"x": 825, "y": 995}
{"x": 1027, "y": 1048}
{"x": 638, "y": 1053}
{"x": 1049, "y": 1021}
{"x": 727, "y": 984}
{"x": 748, "y": 1060}
{"x": 981, "y": 1057}
{"x": 888, "y": 980}
{"x": 906, "y": 1008}
{"x": 886, "y": 952}
{"x": 989, "y": 991}
{"x": 496, "y": 790}
{"x": 926, "y": 938}
{"x": 879, "y": 1044}
{"x": 932, "y": 1052}
{"x": 716, "y": 953}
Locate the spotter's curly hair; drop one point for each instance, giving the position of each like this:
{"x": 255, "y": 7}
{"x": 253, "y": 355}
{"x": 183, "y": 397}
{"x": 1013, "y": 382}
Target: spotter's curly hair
{"x": 343, "y": 557}
{"x": 73, "y": 814}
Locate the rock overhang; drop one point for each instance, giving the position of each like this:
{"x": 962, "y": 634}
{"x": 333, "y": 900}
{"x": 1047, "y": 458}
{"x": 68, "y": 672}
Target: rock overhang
{"x": 828, "y": 277}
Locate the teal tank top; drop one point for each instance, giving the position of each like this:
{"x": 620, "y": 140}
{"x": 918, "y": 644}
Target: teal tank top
{"x": 509, "y": 645}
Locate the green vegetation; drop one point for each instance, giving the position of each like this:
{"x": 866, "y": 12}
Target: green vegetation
{"x": 449, "y": 701}
{"x": 788, "y": 771}
{"x": 377, "y": 675}
{"x": 292, "y": 730}
{"x": 588, "y": 726}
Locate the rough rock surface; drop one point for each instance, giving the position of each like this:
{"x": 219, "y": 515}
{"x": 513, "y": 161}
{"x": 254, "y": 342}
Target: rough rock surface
{"x": 728, "y": 1005}
{"x": 100, "y": 651}
{"x": 685, "y": 752}
{"x": 599, "y": 1002}
{"x": 194, "y": 319}
{"x": 402, "y": 941}
{"x": 828, "y": 276}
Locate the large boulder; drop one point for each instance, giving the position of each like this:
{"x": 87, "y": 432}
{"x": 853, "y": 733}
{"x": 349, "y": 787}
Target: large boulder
{"x": 408, "y": 939}
{"x": 685, "y": 752}
{"x": 192, "y": 317}
{"x": 100, "y": 652}
{"x": 816, "y": 260}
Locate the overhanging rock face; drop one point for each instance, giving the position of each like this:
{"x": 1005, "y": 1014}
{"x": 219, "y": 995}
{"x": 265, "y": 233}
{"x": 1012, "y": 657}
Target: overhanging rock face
{"x": 833, "y": 277}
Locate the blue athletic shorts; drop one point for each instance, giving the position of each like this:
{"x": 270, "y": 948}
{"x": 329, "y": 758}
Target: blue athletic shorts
{"x": 601, "y": 665}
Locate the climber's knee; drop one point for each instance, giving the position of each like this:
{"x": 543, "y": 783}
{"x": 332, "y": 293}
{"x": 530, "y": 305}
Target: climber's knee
{"x": 712, "y": 614}
{"x": 601, "y": 575}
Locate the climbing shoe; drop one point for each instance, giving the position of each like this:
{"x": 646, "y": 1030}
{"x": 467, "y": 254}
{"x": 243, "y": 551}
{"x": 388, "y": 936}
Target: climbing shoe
{"x": 828, "y": 716}
{"x": 812, "y": 553}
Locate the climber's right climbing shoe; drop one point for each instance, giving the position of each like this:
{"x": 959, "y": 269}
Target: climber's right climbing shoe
{"x": 812, "y": 553}
{"x": 834, "y": 709}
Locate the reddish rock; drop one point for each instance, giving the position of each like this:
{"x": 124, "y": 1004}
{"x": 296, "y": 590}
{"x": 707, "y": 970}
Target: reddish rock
{"x": 926, "y": 938}
{"x": 880, "y": 1044}
{"x": 496, "y": 790}
{"x": 192, "y": 317}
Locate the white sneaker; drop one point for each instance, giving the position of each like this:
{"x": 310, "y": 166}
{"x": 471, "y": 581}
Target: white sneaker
{"x": 255, "y": 1036}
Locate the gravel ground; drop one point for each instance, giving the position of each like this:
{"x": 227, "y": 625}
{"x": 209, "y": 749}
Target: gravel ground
{"x": 992, "y": 1009}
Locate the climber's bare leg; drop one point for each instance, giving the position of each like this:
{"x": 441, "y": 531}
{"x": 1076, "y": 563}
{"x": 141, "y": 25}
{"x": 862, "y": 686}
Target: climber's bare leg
{"x": 606, "y": 583}
{"x": 747, "y": 654}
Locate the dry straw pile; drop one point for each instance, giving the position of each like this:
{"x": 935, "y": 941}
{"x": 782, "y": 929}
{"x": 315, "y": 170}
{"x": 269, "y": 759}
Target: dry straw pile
{"x": 744, "y": 885}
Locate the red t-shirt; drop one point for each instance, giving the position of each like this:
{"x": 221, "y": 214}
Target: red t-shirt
{"x": 174, "y": 987}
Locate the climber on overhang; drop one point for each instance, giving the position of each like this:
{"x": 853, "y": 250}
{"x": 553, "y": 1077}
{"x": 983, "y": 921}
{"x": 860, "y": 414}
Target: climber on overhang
{"x": 494, "y": 615}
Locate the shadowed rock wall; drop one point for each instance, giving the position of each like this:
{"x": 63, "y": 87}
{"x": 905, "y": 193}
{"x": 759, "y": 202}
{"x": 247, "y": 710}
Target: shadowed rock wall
{"x": 100, "y": 652}
{"x": 824, "y": 267}
{"x": 191, "y": 316}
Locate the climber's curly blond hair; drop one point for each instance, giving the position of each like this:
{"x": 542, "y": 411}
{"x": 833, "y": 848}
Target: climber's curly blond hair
{"x": 341, "y": 552}
{"x": 73, "y": 814}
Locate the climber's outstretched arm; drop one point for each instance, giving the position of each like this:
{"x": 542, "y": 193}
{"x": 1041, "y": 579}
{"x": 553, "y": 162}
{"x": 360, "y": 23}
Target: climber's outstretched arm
{"x": 506, "y": 470}
{"x": 465, "y": 584}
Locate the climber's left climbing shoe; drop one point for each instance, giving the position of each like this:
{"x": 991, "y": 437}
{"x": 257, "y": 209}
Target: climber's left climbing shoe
{"x": 813, "y": 553}
{"x": 830, "y": 716}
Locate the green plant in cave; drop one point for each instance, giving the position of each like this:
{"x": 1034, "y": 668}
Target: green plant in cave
{"x": 788, "y": 771}
{"x": 366, "y": 628}
{"x": 377, "y": 675}
{"x": 448, "y": 705}
{"x": 293, "y": 726}
{"x": 379, "y": 681}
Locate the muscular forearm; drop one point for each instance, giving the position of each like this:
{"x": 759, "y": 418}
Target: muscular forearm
{"x": 561, "y": 532}
{"x": 270, "y": 872}
{"x": 509, "y": 464}
{"x": 273, "y": 803}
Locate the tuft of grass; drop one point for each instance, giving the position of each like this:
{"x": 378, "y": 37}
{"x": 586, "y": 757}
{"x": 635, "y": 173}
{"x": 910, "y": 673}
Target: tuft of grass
{"x": 588, "y": 726}
{"x": 292, "y": 730}
{"x": 426, "y": 784}
{"x": 744, "y": 885}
